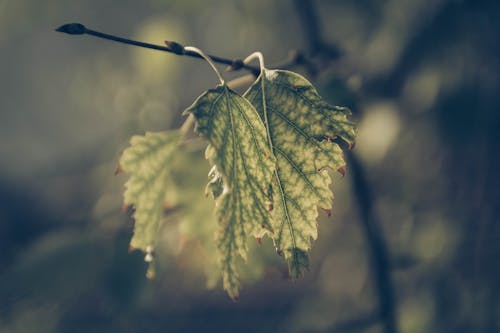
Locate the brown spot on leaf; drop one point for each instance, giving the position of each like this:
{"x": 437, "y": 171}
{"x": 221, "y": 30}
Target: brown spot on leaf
{"x": 342, "y": 170}
{"x": 168, "y": 208}
{"x": 259, "y": 240}
{"x": 128, "y": 209}
{"x": 118, "y": 169}
{"x": 327, "y": 211}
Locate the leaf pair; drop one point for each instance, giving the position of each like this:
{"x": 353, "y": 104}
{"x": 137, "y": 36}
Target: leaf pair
{"x": 269, "y": 150}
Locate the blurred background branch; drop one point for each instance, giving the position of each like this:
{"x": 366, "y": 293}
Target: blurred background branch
{"x": 378, "y": 253}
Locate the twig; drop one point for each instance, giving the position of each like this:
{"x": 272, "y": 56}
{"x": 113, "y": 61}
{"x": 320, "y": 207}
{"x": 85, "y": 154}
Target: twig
{"x": 171, "y": 47}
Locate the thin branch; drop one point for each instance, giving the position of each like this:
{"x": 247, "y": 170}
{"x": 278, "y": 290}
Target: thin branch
{"x": 171, "y": 47}
{"x": 310, "y": 24}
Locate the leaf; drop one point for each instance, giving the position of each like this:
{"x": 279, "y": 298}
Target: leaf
{"x": 239, "y": 150}
{"x": 148, "y": 161}
{"x": 300, "y": 126}
{"x": 195, "y": 219}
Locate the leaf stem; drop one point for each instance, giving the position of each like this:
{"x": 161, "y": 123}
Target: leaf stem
{"x": 252, "y": 57}
{"x": 207, "y": 58}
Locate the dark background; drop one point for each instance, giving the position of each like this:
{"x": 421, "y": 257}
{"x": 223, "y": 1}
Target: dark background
{"x": 414, "y": 238}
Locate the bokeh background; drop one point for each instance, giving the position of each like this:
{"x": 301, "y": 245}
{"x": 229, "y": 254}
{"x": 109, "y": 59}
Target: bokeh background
{"x": 422, "y": 79}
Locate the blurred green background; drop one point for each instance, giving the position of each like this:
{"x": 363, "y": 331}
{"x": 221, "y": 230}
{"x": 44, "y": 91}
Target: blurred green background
{"x": 422, "y": 78}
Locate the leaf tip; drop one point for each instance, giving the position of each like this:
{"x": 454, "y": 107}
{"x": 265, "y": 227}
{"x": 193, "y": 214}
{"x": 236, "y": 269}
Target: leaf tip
{"x": 298, "y": 263}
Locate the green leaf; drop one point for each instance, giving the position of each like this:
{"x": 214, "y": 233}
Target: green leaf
{"x": 240, "y": 181}
{"x": 148, "y": 161}
{"x": 300, "y": 126}
{"x": 194, "y": 215}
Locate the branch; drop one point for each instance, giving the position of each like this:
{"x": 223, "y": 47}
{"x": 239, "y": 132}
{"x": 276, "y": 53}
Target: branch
{"x": 379, "y": 257}
{"x": 313, "y": 36}
{"x": 171, "y": 47}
